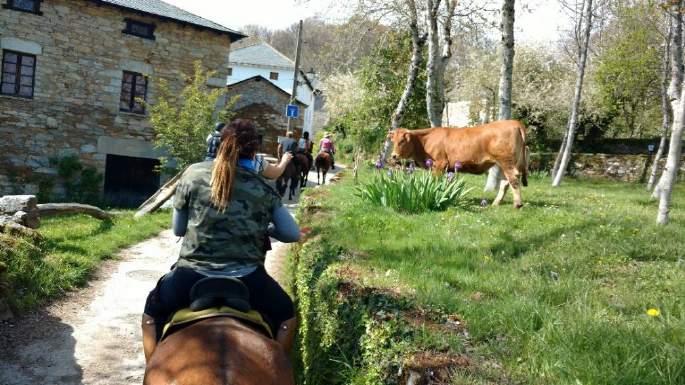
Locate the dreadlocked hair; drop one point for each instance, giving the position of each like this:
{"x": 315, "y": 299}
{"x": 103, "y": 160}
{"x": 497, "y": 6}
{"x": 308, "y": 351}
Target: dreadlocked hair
{"x": 238, "y": 140}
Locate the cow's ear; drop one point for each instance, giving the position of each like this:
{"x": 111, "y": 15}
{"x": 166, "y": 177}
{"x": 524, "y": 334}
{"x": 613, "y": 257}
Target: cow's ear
{"x": 406, "y": 136}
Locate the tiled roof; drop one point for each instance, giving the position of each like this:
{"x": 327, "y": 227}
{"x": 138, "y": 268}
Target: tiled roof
{"x": 164, "y": 10}
{"x": 261, "y": 54}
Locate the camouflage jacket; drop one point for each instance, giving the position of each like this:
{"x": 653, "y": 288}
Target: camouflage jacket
{"x": 227, "y": 240}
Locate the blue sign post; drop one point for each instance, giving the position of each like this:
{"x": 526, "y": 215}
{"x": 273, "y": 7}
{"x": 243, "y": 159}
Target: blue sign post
{"x": 292, "y": 111}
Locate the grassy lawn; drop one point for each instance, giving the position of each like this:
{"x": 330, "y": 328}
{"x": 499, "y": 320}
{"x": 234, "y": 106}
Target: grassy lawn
{"x": 554, "y": 293}
{"x": 70, "y": 250}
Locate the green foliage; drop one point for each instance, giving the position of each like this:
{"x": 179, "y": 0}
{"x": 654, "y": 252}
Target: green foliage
{"x": 554, "y": 293}
{"x": 71, "y": 248}
{"x": 182, "y": 122}
{"x": 82, "y": 184}
{"x": 362, "y": 103}
{"x": 414, "y": 192}
{"x": 628, "y": 73}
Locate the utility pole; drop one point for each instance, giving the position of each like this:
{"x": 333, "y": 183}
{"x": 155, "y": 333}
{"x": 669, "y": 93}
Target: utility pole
{"x": 293, "y": 100}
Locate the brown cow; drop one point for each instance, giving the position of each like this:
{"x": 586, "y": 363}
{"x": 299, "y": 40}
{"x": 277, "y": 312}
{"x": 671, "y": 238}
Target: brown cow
{"x": 475, "y": 149}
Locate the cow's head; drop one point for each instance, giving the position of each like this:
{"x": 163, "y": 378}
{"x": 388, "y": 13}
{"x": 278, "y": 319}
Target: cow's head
{"x": 403, "y": 147}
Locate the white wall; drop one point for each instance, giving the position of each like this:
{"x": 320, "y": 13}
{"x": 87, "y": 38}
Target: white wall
{"x": 284, "y": 82}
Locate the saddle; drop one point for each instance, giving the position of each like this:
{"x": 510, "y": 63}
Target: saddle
{"x": 217, "y": 297}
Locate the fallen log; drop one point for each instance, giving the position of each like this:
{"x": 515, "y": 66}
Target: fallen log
{"x": 158, "y": 198}
{"x": 52, "y": 209}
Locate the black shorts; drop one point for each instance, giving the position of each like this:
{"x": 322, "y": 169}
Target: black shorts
{"x": 172, "y": 293}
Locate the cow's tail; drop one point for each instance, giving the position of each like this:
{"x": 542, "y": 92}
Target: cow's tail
{"x": 523, "y": 157}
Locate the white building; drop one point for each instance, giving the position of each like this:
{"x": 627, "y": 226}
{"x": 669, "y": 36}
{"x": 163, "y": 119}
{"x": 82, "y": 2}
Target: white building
{"x": 262, "y": 59}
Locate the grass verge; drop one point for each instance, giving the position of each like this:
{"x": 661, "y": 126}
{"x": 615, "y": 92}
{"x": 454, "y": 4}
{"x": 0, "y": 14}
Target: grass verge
{"x": 69, "y": 250}
{"x": 555, "y": 293}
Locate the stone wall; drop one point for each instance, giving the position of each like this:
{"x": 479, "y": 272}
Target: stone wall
{"x": 81, "y": 56}
{"x": 627, "y": 168}
{"x": 264, "y": 103}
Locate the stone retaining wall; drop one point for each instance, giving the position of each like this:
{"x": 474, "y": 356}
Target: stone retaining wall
{"x": 628, "y": 168}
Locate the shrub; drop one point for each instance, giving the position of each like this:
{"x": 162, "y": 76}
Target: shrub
{"x": 414, "y": 192}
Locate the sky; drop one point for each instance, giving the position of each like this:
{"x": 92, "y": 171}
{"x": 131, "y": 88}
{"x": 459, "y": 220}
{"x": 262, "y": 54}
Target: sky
{"x": 539, "y": 24}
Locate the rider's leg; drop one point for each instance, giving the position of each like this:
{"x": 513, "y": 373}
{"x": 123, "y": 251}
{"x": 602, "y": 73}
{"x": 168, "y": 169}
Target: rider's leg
{"x": 149, "y": 336}
{"x": 268, "y": 298}
{"x": 286, "y": 334}
{"x": 332, "y": 161}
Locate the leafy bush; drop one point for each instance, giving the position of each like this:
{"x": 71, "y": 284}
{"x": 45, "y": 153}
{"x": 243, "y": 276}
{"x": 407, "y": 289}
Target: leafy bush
{"x": 414, "y": 192}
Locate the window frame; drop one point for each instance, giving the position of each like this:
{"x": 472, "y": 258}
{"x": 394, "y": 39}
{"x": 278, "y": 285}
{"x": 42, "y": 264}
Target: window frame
{"x": 18, "y": 74}
{"x": 132, "y": 98}
{"x": 36, "y": 7}
{"x": 273, "y": 75}
{"x": 230, "y": 71}
{"x": 128, "y": 30}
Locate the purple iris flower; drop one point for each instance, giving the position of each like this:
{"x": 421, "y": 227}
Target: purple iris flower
{"x": 429, "y": 163}
{"x": 379, "y": 164}
{"x": 457, "y": 166}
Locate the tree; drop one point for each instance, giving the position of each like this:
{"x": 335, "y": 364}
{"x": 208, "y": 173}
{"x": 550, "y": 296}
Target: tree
{"x": 565, "y": 150}
{"x": 505, "y": 82}
{"x": 627, "y": 75}
{"x": 665, "y": 103}
{"x": 181, "y": 124}
{"x": 439, "y": 53}
{"x": 668, "y": 177}
{"x": 674, "y": 8}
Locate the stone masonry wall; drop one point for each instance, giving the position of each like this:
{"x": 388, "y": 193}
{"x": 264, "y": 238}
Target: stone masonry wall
{"x": 627, "y": 168}
{"x": 75, "y": 108}
{"x": 265, "y": 105}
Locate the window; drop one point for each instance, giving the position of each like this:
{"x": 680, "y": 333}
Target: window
{"x": 32, "y": 6}
{"x": 230, "y": 71}
{"x": 18, "y": 70}
{"x": 133, "y": 92}
{"x": 273, "y": 75}
{"x": 140, "y": 29}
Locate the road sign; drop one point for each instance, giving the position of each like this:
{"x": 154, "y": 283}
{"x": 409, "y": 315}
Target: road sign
{"x": 292, "y": 111}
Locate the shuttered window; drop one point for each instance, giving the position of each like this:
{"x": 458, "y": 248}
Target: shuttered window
{"x": 18, "y": 74}
{"x": 133, "y": 90}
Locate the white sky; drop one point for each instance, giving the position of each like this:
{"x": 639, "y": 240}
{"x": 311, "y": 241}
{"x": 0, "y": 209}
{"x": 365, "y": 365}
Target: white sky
{"x": 540, "y": 24}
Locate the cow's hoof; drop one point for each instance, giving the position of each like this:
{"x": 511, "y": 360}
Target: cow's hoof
{"x": 518, "y": 206}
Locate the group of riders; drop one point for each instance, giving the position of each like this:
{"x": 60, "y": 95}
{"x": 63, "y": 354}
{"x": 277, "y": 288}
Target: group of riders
{"x": 226, "y": 211}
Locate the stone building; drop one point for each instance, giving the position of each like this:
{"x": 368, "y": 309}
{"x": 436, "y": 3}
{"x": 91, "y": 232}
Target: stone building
{"x": 72, "y": 74}
{"x": 264, "y": 102}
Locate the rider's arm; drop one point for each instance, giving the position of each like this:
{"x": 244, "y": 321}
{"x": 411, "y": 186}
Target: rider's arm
{"x": 285, "y": 229}
{"x": 179, "y": 222}
{"x": 273, "y": 172}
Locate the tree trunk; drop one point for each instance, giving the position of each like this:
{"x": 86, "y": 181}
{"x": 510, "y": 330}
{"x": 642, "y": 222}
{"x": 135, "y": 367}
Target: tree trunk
{"x": 672, "y": 164}
{"x": 507, "y": 26}
{"x": 665, "y": 107}
{"x": 566, "y": 157}
{"x": 439, "y": 53}
{"x": 417, "y": 42}
{"x": 675, "y": 86}
{"x": 52, "y": 209}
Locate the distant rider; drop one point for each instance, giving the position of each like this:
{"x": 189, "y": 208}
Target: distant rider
{"x": 326, "y": 145}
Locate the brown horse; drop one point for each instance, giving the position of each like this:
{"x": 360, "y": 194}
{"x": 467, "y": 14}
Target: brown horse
{"x": 303, "y": 161}
{"x": 323, "y": 163}
{"x": 219, "y": 351}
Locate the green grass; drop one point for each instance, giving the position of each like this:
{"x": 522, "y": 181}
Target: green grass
{"x": 70, "y": 250}
{"x": 555, "y": 293}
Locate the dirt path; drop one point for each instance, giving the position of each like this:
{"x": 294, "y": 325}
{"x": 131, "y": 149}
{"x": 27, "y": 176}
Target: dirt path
{"x": 93, "y": 335}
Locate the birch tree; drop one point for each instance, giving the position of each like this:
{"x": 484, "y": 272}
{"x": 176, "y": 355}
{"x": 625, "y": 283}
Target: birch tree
{"x": 418, "y": 40}
{"x": 668, "y": 178}
{"x": 439, "y": 53}
{"x": 567, "y": 144}
{"x": 674, "y": 87}
{"x": 505, "y": 80}
{"x": 665, "y": 102}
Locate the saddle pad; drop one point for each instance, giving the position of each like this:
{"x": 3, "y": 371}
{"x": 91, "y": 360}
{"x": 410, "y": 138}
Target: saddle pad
{"x": 186, "y": 316}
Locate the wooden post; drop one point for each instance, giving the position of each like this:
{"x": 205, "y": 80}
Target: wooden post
{"x": 293, "y": 96}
